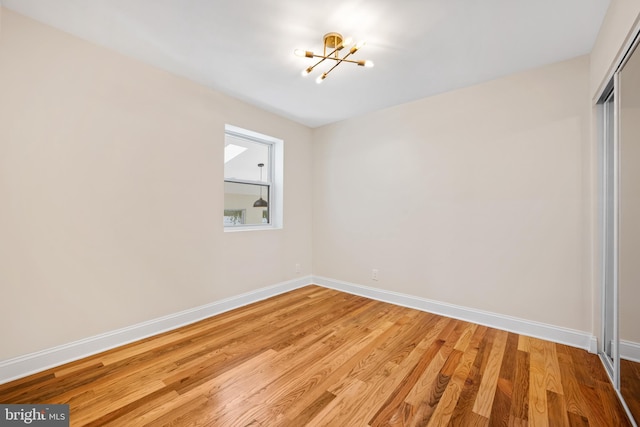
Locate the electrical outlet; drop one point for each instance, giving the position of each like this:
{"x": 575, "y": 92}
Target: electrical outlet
{"x": 298, "y": 269}
{"x": 374, "y": 274}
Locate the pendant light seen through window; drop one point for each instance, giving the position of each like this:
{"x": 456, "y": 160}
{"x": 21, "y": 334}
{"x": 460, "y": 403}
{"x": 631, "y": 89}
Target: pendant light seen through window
{"x": 260, "y": 203}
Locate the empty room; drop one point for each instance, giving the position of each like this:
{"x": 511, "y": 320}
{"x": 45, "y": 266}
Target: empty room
{"x": 338, "y": 213}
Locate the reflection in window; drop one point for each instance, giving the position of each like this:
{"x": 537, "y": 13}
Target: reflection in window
{"x": 241, "y": 197}
{"x": 234, "y": 216}
{"x": 248, "y": 180}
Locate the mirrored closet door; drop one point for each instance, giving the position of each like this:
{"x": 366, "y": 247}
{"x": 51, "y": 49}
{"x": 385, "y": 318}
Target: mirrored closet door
{"x": 620, "y": 155}
{"x": 628, "y": 82}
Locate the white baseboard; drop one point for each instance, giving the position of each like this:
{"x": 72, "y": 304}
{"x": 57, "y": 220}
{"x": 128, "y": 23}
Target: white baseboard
{"x": 630, "y": 350}
{"x": 544, "y": 331}
{"x": 22, "y": 366}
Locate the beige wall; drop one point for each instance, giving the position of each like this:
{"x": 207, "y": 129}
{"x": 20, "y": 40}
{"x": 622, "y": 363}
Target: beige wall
{"x": 473, "y": 197}
{"x": 111, "y": 185}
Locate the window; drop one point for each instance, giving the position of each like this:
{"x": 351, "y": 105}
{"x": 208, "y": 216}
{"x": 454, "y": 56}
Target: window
{"x": 252, "y": 180}
{"x": 234, "y": 216}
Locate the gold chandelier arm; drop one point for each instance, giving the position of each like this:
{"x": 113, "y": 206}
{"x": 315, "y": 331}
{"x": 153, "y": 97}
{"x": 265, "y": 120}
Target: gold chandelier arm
{"x": 310, "y": 69}
{"x": 340, "y": 60}
{"x": 331, "y": 69}
{"x": 335, "y": 59}
{"x": 309, "y": 54}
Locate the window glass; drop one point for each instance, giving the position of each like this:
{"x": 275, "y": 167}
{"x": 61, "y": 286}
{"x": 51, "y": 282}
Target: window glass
{"x": 248, "y": 180}
{"x": 242, "y": 157}
{"x": 240, "y": 204}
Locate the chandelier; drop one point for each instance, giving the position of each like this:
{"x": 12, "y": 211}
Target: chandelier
{"x": 333, "y": 43}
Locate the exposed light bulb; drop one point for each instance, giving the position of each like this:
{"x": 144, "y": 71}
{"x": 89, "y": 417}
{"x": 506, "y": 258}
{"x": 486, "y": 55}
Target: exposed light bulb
{"x": 321, "y": 77}
{"x": 347, "y": 41}
{"x": 358, "y": 45}
{"x": 365, "y": 63}
{"x": 303, "y": 53}
{"x": 306, "y": 72}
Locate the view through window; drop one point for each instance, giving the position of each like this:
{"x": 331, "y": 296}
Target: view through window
{"x": 248, "y": 180}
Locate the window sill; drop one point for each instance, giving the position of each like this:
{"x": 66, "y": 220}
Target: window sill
{"x": 251, "y": 228}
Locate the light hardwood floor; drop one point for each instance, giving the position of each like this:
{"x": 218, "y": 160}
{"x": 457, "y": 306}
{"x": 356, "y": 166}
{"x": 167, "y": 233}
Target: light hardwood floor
{"x": 630, "y": 385}
{"x": 319, "y": 357}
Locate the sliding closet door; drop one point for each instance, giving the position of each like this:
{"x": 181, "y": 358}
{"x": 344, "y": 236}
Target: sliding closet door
{"x": 629, "y": 231}
{"x": 609, "y": 214}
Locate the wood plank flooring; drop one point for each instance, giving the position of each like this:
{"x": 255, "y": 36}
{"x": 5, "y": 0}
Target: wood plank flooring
{"x": 630, "y": 386}
{"x": 319, "y": 357}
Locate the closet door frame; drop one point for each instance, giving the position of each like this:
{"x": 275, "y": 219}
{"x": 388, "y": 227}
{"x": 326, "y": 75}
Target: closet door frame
{"x": 612, "y": 85}
{"x": 609, "y": 226}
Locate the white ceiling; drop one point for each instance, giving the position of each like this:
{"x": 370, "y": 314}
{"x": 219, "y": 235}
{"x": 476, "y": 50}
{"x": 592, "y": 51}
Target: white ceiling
{"x": 245, "y": 47}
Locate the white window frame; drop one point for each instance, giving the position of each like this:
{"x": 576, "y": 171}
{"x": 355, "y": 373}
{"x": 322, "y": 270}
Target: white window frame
{"x": 275, "y": 180}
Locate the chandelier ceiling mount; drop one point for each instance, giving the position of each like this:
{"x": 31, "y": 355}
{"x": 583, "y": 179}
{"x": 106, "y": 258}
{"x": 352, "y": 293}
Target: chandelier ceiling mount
{"x": 333, "y": 44}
